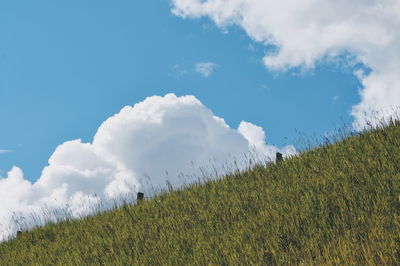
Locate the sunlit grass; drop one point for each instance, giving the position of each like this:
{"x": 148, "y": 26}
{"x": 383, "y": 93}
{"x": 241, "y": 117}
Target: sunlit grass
{"x": 335, "y": 204}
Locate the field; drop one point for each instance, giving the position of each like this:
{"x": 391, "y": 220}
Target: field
{"x": 338, "y": 203}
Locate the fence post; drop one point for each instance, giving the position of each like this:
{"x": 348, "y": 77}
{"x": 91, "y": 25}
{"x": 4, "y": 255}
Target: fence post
{"x": 140, "y": 197}
{"x": 269, "y": 259}
{"x": 279, "y": 157}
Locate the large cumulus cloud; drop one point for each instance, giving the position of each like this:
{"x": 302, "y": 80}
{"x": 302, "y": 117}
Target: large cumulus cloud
{"x": 141, "y": 148}
{"x": 308, "y": 31}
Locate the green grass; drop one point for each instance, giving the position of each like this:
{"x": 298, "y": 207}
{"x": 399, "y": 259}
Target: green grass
{"x": 335, "y": 204}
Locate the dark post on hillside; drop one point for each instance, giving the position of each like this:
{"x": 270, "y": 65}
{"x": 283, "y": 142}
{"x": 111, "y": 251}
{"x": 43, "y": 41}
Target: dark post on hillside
{"x": 140, "y": 197}
{"x": 279, "y": 157}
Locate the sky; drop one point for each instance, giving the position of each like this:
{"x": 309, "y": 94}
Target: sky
{"x": 210, "y": 79}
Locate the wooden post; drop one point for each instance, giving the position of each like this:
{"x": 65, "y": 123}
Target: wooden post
{"x": 140, "y": 196}
{"x": 279, "y": 157}
{"x": 269, "y": 259}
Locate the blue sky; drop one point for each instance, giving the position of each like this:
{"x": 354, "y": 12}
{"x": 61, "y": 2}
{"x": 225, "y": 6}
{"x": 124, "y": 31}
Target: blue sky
{"x": 66, "y": 66}
{"x": 93, "y": 103}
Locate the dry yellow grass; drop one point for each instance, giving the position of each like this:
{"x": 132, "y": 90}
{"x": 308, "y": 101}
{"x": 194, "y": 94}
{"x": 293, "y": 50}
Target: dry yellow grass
{"x": 335, "y": 204}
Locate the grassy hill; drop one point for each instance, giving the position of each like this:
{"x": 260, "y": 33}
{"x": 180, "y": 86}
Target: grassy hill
{"x": 336, "y": 204}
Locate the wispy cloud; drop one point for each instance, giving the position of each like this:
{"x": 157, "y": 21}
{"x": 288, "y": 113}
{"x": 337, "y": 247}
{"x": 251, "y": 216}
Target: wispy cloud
{"x": 205, "y": 68}
{"x": 4, "y": 151}
{"x": 179, "y": 70}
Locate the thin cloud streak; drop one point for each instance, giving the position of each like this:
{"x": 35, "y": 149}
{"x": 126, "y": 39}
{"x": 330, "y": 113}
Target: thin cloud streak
{"x": 206, "y": 69}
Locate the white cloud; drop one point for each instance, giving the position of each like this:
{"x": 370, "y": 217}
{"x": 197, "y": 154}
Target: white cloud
{"x": 205, "y": 68}
{"x": 5, "y": 151}
{"x": 170, "y": 134}
{"x": 308, "y": 31}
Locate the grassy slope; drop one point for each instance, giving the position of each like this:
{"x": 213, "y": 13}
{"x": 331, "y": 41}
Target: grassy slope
{"x": 335, "y": 204}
